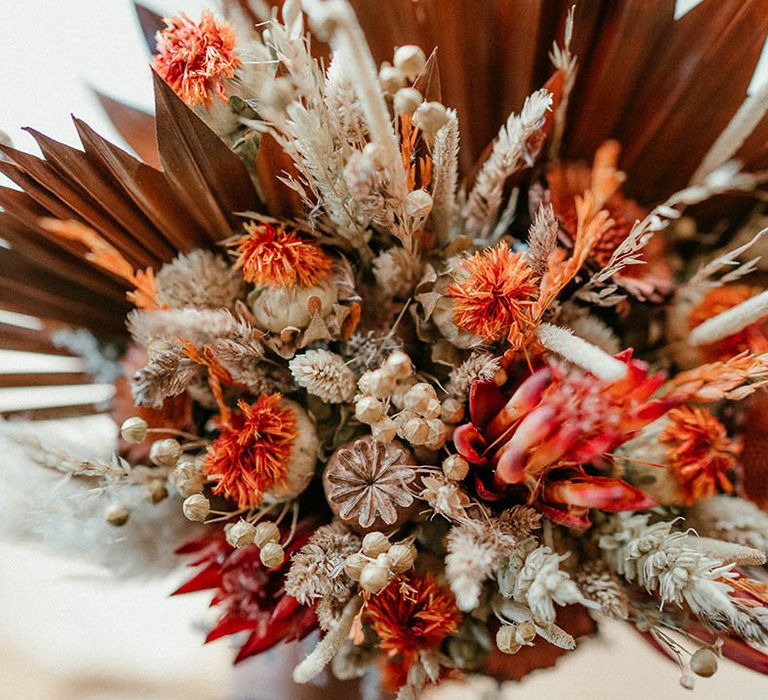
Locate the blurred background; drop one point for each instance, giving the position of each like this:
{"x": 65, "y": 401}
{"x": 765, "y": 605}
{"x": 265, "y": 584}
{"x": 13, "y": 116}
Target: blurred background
{"x": 69, "y": 628}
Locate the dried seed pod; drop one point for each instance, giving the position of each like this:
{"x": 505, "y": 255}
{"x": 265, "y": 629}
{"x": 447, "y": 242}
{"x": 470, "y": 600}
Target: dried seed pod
{"x": 196, "y": 507}
{"x": 354, "y": 565}
{"x": 272, "y": 554}
{"x": 165, "y": 453}
{"x": 452, "y": 411}
{"x": 407, "y": 100}
{"x": 367, "y": 484}
{"x": 409, "y": 59}
{"x": 414, "y": 429}
{"x": 375, "y": 543}
{"x": 369, "y": 410}
{"x": 455, "y": 467}
{"x": 402, "y": 557}
{"x": 384, "y": 430}
{"x": 117, "y": 514}
{"x": 418, "y": 204}
{"x": 241, "y": 533}
{"x": 134, "y": 430}
{"x": 399, "y": 365}
{"x": 265, "y": 532}
{"x": 187, "y": 478}
{"x": 525, "y": 633}
{"x": 374, "y": 578}
{"x": 704, "y": 662}
{"x": 158, "y": 490}
{"x": 506, "y": 641}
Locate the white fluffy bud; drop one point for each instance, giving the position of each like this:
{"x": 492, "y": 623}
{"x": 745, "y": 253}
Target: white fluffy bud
{"x": 430, "y": 117}
{"x": 407, "y": 100}
{"x": 391, "y": 78}
{"x": 410, "y": 60}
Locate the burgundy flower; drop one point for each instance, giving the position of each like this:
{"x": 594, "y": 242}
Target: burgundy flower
{"x": 553, "y": 423}
{"x": 252, "y": 596}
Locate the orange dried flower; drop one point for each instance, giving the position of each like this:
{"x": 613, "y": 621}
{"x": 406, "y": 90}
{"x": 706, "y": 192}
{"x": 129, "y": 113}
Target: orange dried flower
{"x": 411, "y": 614}
{"x": 271, "y": 256}
{"x": 754, "y": 337}
{"x": 700, "y": 452}
{"x": 196, "y": 59}
{"x": 252, "y": 451}
{"x": 492, "y": 293}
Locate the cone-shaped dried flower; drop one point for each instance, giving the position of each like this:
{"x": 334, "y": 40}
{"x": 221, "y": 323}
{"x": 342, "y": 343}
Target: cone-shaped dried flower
{"x": 324, "y": 374}
{"x": 491, "y": 293}
{"x": 272, "y": 256}
{"x": 700, "y": 453}
{"x": 196, "y": 58}
{"x": 258, "y": 450}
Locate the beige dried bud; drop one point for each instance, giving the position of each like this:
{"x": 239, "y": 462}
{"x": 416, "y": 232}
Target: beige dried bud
{"x": 506, "y": 641}
{"x": 369, "y": 410}
{"x": 432, "y": 410}
{"x": 414, "y": 429}
{"x": 187, "y": 478}
{"x": 241, "y": 533}
{"x": 134, "y": 430}
{"x": 687, "y": 681}
{"x": 354, "y": 565}
{"x": 272, "y": 554}
{"x": 391, "y": 78}
{"x": 375, "y": 543}
{"x": 402, "y": 557}
{"x": 455, "y": 467}
{"x": 196, "y": 507}
{"x": 704, "y": 662}
{"x": 377, "y": 383}
{"x": 430, "y": 117}
{"x": 384, "y": 430}
{"x": 265, "y": 532}
{"x": 410, "y": 60}
{"x": 384, "y": 561}
{"x": 525, "y": 633}
{"x": 407, "y": 100}
{"x": 399, "y": 365}
{"x": 418, "y": 204}
{"x": 417, "y": 398}
{"x": 157, "y": 490}
{"x": 117, "y": 514}
{"x": 452, "y": 411}
{"x": 374, "y": 578}
{"x": 165, "y": 453}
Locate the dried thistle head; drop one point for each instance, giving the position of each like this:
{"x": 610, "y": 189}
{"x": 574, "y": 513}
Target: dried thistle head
{"x": 325, "y": 375}
{"x": 196, "y": 58}
{"x": 367, "y": 484}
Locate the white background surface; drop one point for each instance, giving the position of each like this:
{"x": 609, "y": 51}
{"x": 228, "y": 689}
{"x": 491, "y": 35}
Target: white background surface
{"x": 67, "y": 630}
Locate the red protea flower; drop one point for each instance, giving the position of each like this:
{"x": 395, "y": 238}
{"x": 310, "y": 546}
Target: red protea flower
{"x": 252, "y": 451}
{"x": 491, "y": 293}
{"x": 412, "y": 614}
{"x": 552, "y": 424}
{"x": 700, "y": 453}
{"x": 196, "y": 59}
{"x": 275, "y": 257}
{"x": 252, "y": 596}
{"x": 753, "y": 338}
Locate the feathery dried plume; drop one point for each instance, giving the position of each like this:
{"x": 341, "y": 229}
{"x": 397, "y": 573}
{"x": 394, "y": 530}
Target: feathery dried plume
{"x": 661, "y": 561}
{"x": 199, "y": 279}
{"x": 516, "y": 147}
{"x": 581, "y": 353}
{"x": 346, "y": 115}
{"x": 445, "y": 177}
{"x": 475, "y": 549}
{"x": 730, "y": 321}
{"x": 594, "y": 331}
{"x": 324, "y": 374}
{"x": 542, "y": 238}
{"x": 368, "y": 350}
{"x": 735, "y": 379}
{"x": 479, "y": 366}
{"x": 598, "y": 289}
{"x": 397, "y": 272}
{"x": 602, "y": 586}
{"x": 731, "y": 519}
{"x": 704, "y": 276}
{"x": 168, "y": 373}
{"x": 317, "y": 573}
{"x": 532, "y": 577}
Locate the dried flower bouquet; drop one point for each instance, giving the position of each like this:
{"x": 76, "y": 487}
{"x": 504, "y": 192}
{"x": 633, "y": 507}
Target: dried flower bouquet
{"x": 450, "y": 403}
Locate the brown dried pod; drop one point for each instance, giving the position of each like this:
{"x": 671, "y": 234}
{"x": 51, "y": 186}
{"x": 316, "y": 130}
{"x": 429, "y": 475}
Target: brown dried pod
{"x": 367, "y": 484}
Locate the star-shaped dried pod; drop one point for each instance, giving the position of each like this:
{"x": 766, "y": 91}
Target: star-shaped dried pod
{"x": 367, "y": 484}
